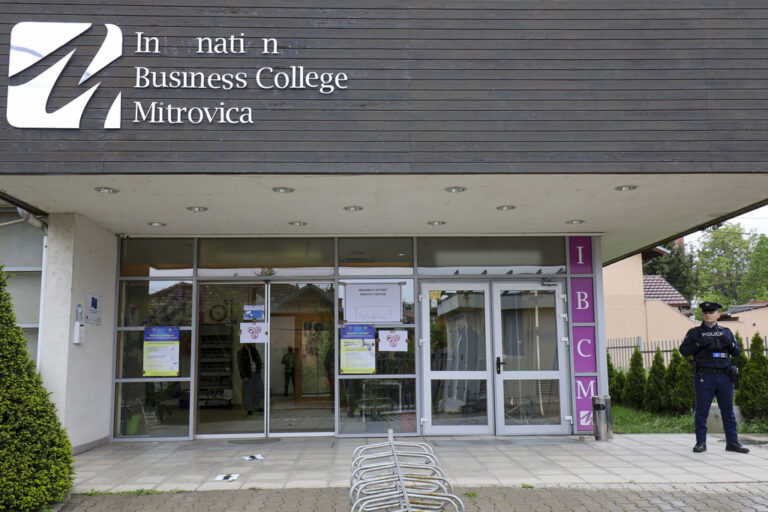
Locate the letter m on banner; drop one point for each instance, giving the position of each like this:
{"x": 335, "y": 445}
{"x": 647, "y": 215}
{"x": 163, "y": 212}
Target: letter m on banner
{"x": 31, "y": 42}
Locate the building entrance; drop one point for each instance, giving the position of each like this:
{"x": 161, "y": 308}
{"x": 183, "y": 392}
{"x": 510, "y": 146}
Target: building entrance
{"x": 494, "y": 358}
{"x": 281, "y": 384}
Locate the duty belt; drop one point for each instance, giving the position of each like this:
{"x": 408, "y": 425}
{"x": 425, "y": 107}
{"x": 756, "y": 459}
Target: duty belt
{"x": 711, "y": 370}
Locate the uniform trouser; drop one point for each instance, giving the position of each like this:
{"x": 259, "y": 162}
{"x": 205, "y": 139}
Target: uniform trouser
{"x": 290, "y": 377}
{"x": 253, "y": 386}
{"x": 707, "y": 386}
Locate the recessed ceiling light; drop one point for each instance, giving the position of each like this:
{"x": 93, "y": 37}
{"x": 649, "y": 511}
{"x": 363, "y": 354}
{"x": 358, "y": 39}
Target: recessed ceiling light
{"x": 157, "y": 224}
{"x": 353, "y": 208}
{"x": 106, "y": 190}
{"x": 436, "y": 222}
{"x": 506, "y": 207}
{"x": 297, "y": 223}
{"x": 625, "y": 188}
{"x": 401, "y": 255}
{"x": 283, "y": 190}
{"x": 574, "y": 221}
{"x": 197, "y": 209}
{"x": 455, "y": 189}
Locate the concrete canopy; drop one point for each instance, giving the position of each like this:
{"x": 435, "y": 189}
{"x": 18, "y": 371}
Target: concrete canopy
{"x": 661, "y": 207}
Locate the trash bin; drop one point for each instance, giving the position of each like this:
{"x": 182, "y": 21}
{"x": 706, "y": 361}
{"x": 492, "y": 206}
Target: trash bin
{"x": 601, "y": 417}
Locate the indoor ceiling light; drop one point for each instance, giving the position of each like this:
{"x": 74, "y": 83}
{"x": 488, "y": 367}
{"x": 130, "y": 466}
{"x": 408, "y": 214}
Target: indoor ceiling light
{"x": 436, "y": 222}
{"x": 297, "y": 223}
{"x": 625, "y": 188}
{"x": 283, "y": 190}
{"x": 574, "y": 221}
{"x": 455, "y": 189}
{"x": 106, "y": 190}
{"x": 506, "y": 207}
{"x": 157, "y": 224}
{"x": 197, "y": 209}
{"x": 353, "y": 208}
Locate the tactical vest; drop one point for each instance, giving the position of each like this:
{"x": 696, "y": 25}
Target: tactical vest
{"x": 718, "y": 352}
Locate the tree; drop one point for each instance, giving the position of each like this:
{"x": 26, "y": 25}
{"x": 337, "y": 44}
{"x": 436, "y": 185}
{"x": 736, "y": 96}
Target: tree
{"x": 723, "y": 263}
{"x": 634, "y": 389}
{"x": 674, "y": 360}
{"x": 35, "y": 453}
{"x": 682, "y": 396}
{"x": 656, "y": 396}
{"x": 752, "y": 394}
{"x": 755, "y": 284}
{"x": 741, "y": 360}
{"x": 678, "y": 268}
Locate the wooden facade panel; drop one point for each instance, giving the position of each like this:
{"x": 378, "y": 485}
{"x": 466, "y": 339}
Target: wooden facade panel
{"x": 433, "y": 86}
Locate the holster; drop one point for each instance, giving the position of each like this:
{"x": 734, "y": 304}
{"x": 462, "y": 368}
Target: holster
{"x": 733, "y": 373}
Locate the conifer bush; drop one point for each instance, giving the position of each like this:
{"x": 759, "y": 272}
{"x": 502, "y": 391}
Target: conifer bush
{"x": 741, "y": 359}
{"x": 682, "y": 396}
{"x": 674, "y": 360}
{"x": 617, "y": 386}
{"x": 35, "y": 453}
{"x": 656, "y": 396}
{"x": 752, "y": 394}
{"x": 634, "y": 391}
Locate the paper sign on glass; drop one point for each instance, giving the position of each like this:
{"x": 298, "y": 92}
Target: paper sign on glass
{"x": 253, "y": 312}
{"x": 254, "y": 332}
{"x": 393, "y": 341}
{"x": 161, "y": 352}
{"x": 373, "y": 302}
{"x": 358, "y": 349}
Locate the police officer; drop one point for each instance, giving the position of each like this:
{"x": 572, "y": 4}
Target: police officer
{"x": 712, "y": 347}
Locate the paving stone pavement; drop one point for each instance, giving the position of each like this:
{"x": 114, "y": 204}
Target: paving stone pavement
{"x": 742, "y": 497}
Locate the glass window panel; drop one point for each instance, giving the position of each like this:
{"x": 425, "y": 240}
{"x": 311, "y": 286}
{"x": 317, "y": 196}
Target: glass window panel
{"x": 155, "y": 303}
{"x": 152, "y": 409}
{"x": 457, "y": 331}
{"x": 31, "y": 336}
{"x": 459, "y": 402}
{"x": 390, "y": 362}
{"x": 130, "y": 354}
{"x": 24, "y": 288}
{"x": 359, "y": 256}
{"x": 371, "y": 406}
{"x": 491, "y": 256}
{"x": 301, "y": 357}
{"x": 230, "y": 376}
{"x": 532, "y": 402}
{"x": 529, "y": 330}
{"x": 242, "y": 257}
{"x": 156, "y": 257}
{"x": 21, "y": 245}
{"x": 406, "y": 294}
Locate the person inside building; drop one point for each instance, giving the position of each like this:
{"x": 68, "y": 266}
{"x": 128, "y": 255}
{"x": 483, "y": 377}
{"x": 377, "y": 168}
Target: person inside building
{"x": 712, "y": 346}
{"x": 250, "y": 365}
{"x": 289, "y": 369}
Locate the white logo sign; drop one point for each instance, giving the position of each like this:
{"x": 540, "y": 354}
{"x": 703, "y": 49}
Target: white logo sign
{"x": 585, "y": 418}
{"x": 31, "y": 42}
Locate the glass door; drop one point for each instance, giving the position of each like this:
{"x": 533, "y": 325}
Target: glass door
{"x": 455, "y": 349}
{"x": 230, "y": 374}
{"x": 530, "y": 364}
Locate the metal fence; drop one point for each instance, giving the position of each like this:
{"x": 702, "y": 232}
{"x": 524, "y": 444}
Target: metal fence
{"x": 621, "y": 349}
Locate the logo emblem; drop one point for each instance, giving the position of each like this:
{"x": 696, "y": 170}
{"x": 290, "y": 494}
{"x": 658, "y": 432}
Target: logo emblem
{"x": 31, "y": 42}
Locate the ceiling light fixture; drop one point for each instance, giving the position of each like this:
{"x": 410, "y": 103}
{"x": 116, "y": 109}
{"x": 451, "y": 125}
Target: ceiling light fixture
{"x": 106, "y": 190}
{"x": 297, "y": 223}
{"x": 625, "y": 188}
{"x": 353, "y": 208}
{"x": 574, "y": 221}
{"x": 436, "y": 222}
{"x": 455, "y": 189}
{"x": 197, "y": 209}
{"x": 506, "y": 207}
{"x": 283, "y": 190}
{"x": 157, "y": 224}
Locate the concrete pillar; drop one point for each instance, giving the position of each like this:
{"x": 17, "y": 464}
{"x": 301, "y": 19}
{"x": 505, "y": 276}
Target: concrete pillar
{"x": 80, "y": 260}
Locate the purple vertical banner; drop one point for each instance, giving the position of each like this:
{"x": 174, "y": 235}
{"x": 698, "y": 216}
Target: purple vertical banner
{"x": 580, "y": 254}
{"x": 584, "y": 352}
{"x": 586, "y": 388}
{"x": 582, "y": 300}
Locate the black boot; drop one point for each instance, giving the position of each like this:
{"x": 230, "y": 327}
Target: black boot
{"x": 701, "y": 447}
{"x": 736, "y": 447}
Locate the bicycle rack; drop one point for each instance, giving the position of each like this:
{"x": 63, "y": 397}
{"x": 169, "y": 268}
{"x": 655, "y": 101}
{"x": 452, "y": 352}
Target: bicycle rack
{"x": 397, "y": 476}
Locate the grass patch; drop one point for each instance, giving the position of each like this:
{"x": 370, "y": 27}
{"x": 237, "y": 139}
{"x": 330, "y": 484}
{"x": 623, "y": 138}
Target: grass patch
{"x": 470, "y": 494}
{"x": 527, "y": 486}
{"x": 631, "y": 421}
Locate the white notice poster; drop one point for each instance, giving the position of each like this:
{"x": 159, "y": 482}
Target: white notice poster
{"x": 254, "y": 332}
{"x": 368, "y": 303}
{"x": 393, "y": 341}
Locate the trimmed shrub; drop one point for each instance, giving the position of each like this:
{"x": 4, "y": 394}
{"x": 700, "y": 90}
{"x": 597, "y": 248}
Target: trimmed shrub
{"x": 656, "y": 396}
{"x": 682, "y": 396}
{"x": 674, "y": 360}
{"x": 634, "y": 391}
{"x": 617, "y": 387}
{"x": 741, "y": 359}
{"x": 752, "y": 394}
{"x": 35, "y": 453}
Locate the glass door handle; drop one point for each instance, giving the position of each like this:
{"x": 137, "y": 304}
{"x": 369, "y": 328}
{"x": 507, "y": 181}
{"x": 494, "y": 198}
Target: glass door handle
{"x": 499, "y": 363}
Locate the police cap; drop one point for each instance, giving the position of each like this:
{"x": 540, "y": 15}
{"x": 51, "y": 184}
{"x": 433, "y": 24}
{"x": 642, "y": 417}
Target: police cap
{"x": 708, "y": 307}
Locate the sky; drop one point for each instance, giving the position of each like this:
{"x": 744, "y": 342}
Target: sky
{"x": 755, "y": 220}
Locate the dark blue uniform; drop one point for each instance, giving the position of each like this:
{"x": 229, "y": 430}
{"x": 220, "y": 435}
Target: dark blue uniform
{"x": 712, "y": 348}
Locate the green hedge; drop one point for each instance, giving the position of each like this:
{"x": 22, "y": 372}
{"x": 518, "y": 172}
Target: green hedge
{"x": 35, "y": 453}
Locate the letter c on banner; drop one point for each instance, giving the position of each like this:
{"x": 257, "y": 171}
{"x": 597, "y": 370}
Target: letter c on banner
{"x": 578, "y": 347}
